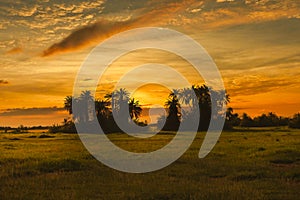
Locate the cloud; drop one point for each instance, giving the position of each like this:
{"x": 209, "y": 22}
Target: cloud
{"x": 15, "y": 50}
{"x": 33, "y": 116}
{"x": 27, "y": 12}
{"x": 3, "y": 82}
{"x": 255, "y": 84}
{"x": 86, "y": 36}
{"x": 103, "y": 29}
{"x": 20, "y": 10}
{"x": 30, "y": 111}
{"x": 212, "y": 14}
{"x": 208, "y": 14}
{"x": 221, "y": 1}
{"x": 2, "y": 25}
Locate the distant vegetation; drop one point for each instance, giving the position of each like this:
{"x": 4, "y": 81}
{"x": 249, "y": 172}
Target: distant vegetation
{"x": 117, "y": 102}
{"x": 265, "y": 120}
{"x": 194, "y": 98}
{"x": 22, "y": 129}
{"x": 295, "y": 121}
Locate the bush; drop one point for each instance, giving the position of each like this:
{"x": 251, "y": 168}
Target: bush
{"x": 295, "y": 121}
{"x": 67, "y": 127}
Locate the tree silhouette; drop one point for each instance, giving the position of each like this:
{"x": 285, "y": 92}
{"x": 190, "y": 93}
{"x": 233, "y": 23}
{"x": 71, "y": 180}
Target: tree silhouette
{"x": 135, "y": 109}
{"x": 231, "y": 119}
{"x": 102, "y": 109}
{"x": 295, "y": 121}
{"x": 68, "y": 104}
{"x": 204, "y": 101}
{"x": 122, "y": 110}
{"x": 246, "y": 121}
{"x": 195, "y": 98}
{"x": 174, "y": 114}
{"x": 119, "y": 100}
{"x": 118, "y": 104}
{"x": 85, "y": 102}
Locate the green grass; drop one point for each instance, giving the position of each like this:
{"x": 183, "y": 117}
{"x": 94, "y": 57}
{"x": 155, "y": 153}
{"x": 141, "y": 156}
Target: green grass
{"x": 246, "y": 164}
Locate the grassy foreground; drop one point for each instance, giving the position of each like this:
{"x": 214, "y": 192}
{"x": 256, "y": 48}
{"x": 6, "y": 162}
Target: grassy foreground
{"x": 248, "y": 164}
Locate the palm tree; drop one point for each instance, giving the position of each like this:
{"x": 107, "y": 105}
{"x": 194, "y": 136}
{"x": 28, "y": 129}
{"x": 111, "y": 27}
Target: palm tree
{"x": 102, "y": 109}
{"x": 122, "y": 94}
{"x": 85, "y": 102}
{"x": 221, "y": 99}
{"x": 117, "y": 99}
{"x": 229, "y": 113}
{"x": 202, "y": 94}
{"x": 174, "y": 114}
{"x": 231, "y": 119}
{"x": 119, "y": 105}
{"x": 108, "y": 98}
{"x": 186, "y": 97}
{"x": 86, "y": 96}
{"x": 173, "y": 105}
{"x": 135, "y": 109}
{"x": 204, "y": 102}
{"x": 68, "y": 104}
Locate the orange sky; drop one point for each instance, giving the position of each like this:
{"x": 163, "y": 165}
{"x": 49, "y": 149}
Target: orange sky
{"x": 254, "y": 43}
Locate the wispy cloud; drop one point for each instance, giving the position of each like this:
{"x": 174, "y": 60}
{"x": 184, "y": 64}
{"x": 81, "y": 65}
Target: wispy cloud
{"x": 103, "y": 29}
{"x": 33, "y": 116}
{"x": 30, "y": 111}
{"x": 14, "y": 50}
{"x": 248, "y": 85}
{"x": 223, "y": 13}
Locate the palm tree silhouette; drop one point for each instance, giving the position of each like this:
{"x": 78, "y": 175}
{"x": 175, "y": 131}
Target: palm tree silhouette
{"x": 68, "y": 104}
{"x": 85, "y": 102}
{"x": 135, "y": 109}
{"x": 119, "y": 104}
{"x": 186, "y": 97}
{"x": 173, "y": 104}
{"x": 118, "y": 99}
{"x": 174, "y": 114}
{"x": 102, "y": 109}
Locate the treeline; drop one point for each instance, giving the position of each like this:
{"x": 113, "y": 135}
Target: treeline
{"x": 128, "y": 110}
{"x": 266, "y": 120}
{"x": 196, "y": 100}
{"x": 22, "y": 129}
{"x": 116, "y": 103}
{"x": 181, "y": 105}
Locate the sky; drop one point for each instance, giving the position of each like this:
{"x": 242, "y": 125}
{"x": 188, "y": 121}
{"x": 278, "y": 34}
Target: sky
{"x": 43, "y": 43}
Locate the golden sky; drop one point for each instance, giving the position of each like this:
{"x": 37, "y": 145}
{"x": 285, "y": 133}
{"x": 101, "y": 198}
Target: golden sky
{"x": 254, "y": 43}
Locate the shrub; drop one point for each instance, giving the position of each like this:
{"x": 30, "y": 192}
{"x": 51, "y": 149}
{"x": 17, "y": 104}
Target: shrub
{"x": 295, "y": 121}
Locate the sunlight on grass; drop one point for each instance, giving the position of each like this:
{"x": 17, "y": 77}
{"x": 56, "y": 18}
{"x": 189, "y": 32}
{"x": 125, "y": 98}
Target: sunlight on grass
{"x": 243, "y": 165}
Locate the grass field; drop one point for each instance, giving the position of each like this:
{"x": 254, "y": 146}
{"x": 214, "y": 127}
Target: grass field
{"x": 245, "y": 164}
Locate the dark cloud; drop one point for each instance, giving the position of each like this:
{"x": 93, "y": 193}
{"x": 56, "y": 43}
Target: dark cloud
{"x": 30, "y": 111}
{"x": 86, "y": 36}
{"x": 95, "y": 33}
{"x": 3, "y": 82}
{"x": 242, "y": 108}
